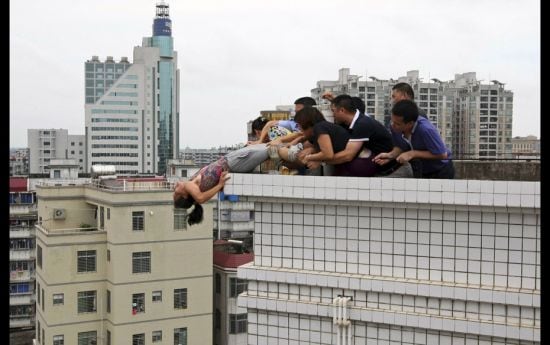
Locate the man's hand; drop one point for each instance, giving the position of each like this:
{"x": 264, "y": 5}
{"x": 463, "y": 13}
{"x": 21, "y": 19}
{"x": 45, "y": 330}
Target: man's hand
{"x": 224, "y": 177}
{"x": 313, "y": 165}
{"x": 383, "y": 158}
{"x": 328, "y": 96}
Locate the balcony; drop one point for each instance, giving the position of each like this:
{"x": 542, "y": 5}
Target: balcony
{"x": 22, "y": 321}
{"x": 22, "y": 232}
{"x": 21, "y": 276}
{"x": 22, "y": 299}
{"x": 22, "y": 255}
{"x": 236, "y": 226}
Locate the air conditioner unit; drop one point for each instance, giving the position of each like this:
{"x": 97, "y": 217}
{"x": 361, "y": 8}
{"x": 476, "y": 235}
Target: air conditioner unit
{"x": 59, "y": 213}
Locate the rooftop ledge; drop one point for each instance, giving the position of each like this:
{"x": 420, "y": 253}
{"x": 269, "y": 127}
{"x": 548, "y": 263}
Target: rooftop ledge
{"x": 391, "y": 190}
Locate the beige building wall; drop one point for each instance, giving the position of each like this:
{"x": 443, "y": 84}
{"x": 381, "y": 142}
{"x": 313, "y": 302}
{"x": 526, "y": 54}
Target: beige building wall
{"x": 179, "y": 259}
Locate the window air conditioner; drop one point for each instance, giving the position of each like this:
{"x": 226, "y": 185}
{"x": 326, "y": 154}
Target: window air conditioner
{"x": 59, "y": 213}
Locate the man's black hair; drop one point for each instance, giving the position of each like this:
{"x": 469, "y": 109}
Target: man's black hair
{"x": 358, "y": 104}
{"x": 405, "y": 109}
{"x": 405, "y": 88}
{"x": 344, "y": 101}
{"x": 306, "y": 101}
{"x": 259, "y": 123}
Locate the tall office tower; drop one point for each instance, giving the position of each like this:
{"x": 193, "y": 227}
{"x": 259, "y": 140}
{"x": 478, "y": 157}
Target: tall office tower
{"x": 23, "y": 216}
{"x": 132, "y": 110}
{"x": 47, "y": 144}
{"x": 117, "y": 264}
{"x": 474, "y": 119}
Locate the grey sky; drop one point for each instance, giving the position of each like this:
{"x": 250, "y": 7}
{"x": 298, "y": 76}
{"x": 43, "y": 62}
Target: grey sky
{"x": 242, "y": 56}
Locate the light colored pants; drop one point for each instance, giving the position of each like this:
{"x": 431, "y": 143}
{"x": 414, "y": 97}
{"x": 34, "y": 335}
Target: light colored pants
{"x": 246, "y": 159}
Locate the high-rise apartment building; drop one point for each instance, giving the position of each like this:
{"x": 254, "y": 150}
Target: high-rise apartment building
{"x": 474, "y": 119}
{"x": 230, "y": 320}
{"x": 47, "y": 144}
{"x": 340, "y": 260}
{"x": 19, "y": 162}
{"x": 526, "y": 147}
{"x": 132, "y": 109}
{"x": 117, "y": 264}
{"x": 202, "y": 157}
{"x": 23, "y": 216}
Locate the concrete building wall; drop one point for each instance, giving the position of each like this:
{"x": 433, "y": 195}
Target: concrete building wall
{"x": 425, "y": 261}
{"x": 44, "y": 145}
{"x": 179, "y": 258}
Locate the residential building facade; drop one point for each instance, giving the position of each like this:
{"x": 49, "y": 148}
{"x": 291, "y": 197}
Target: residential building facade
{"x": 117, "y": 264}
{"x": 47, "y": 144}
{"x": 341, "y": 260}
{"x": 132, "y": 109}
{"x": 23, "y": 216}
{"x": 202, "y": 157}
{"x": 474, "y": 119}
{"x": 234, "y": 220}
{"x": 230, "y": 320}
{"x": 526, "y": 147}
{"x": 19, "y": 162}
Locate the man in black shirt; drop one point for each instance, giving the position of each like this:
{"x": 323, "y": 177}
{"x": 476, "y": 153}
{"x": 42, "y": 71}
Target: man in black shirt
{"x": 368, "y": 137}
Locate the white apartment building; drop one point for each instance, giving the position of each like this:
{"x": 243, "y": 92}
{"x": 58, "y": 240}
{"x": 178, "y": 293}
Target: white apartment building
{"x": 47, "y": 144}
{"x": 474, "y": 119}
{"x": 391, "y": 261}
{"x": 526, "y": 147}
{"x": 117, "y": 264}
{"x": 234, "y": 220}
{"x": 132, "y": 110}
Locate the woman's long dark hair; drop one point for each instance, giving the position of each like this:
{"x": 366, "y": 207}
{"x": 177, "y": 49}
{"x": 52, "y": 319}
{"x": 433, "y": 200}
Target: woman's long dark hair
{"x": 195, "y": 217}
{"x": 307, "y": 117}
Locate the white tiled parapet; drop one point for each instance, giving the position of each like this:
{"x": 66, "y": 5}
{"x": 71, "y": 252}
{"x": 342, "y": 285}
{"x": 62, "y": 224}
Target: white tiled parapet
{"x": 454, "y": 258}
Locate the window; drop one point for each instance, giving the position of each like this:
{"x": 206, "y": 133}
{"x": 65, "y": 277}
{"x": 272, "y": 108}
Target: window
{"x": 108, "y": 213}
{"x": 218, "y": 283}
{"x": 180, "y": 298}
{"x": 138, "y": 339}
{"x": 43, "y": 334}
{"x": 101, "y": 218}
{"x": 37, "y": 294}
{"x": 137, "y": 220}
{"x": 237, "y": 323}
{"x": 72, "y": 143}
{"x": 237, "y": 286}
{"x": 157, "y": 296}
{"x": 180, "y": 336}
{"x": 157, "y": 336}
{"x": 58, "y": 340}
{"x": 108, "y": 301}
{"x": 58, "y": 299}
{"x": 141, "y": 262}
{"x": 108, "y": 337}
{"x": 38, "y": 330}
{"x": 87, "y": 338}
{"x": 87, "y": 302}
{"x": 108, "y": 255}
{"x": 180, "y": 218}
{"x": 39, "y": 256}
{"x": 138, "y": 303}
{"x": 86, "y": 261}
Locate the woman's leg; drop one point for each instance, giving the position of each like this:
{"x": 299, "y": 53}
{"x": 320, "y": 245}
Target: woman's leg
{"x": 246, "y": 159}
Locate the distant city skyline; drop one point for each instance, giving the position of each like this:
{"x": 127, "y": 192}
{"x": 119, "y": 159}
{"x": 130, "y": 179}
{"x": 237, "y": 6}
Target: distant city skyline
{"x": 240, "y": 58}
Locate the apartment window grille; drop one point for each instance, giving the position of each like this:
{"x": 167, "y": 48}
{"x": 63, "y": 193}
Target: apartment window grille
{"x": 43, "y": 300}
{"x": 109, "y": 212}
{"x": 86, "y": 261}
{"x": 237, "y": 286}
{"x": 101, "y": 218}
{"x": 58, "y": 340}
{"x": 137, "y": 220}
{"x": 108, "y": 255}
{"x": 180, "y": 298}
{"x": 138, "y": 339}
{"x": 108, "y": 337}
{"x": 87, "y": 301}
{"x": 180, "y": 219}
{"x": 157, "y": 336}
{"x": 237, "y": 323}
{"x": 108, "y": 301}
{"x": 58, "y": 299}
{"x": 157, "y": 296}
{"x": 180, "y": 336}
{"x": 38, "y": 329}
{"x": 39, "y": 256}
{"x": 138, "y": 303}
{"x": 218, "y": 319}
{"x": 141, "y": 262}
{"x": 87, "y": 338}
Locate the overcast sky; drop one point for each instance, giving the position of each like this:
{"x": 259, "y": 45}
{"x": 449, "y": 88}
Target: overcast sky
{"x": 241, "y": 56}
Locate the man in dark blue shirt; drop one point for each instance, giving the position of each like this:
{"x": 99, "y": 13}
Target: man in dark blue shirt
{"x": 416, "y": 138}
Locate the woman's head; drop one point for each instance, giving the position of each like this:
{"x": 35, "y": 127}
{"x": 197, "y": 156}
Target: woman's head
{"x": 195, "y": 217}
{"x": 307, "y": 118}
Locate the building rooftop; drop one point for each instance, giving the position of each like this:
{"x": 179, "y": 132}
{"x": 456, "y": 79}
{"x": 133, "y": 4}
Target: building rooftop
{"x": 230, "y": 255}
{"x": 18, "y": 184}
